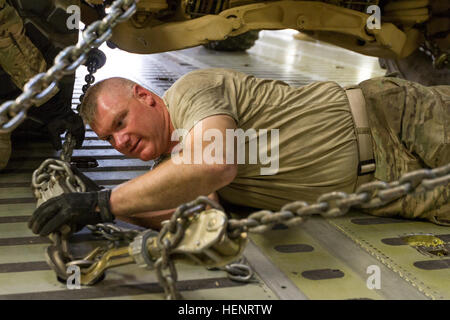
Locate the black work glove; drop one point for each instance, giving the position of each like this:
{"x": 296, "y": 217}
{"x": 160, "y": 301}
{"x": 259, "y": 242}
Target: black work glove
{"x": 76, "y": 209}
{"x": 70, "y": 122}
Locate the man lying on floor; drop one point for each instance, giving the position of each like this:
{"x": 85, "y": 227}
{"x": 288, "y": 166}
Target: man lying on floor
{"x": 260, "y": 143}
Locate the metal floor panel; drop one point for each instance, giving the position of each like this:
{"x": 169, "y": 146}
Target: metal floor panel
{"x": 429, "y": 274}
{"x": 299, "y": 263}
{"x": 327, "y": 264}
{"x": 123, "y": 282}
{"x": 311, "y": 266}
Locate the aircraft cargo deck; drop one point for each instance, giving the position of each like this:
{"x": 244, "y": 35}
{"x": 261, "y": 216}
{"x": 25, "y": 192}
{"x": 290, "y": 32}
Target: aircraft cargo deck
{"x": 320, "y": 259}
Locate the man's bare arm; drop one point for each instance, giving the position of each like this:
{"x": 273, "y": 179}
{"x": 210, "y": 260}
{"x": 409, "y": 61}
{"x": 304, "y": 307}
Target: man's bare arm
{"x": 154, "y": 219}
{"x": 171, "y": 184}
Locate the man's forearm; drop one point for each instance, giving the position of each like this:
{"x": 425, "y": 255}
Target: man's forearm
{"x": 168, "y": 186}
{"x": 154, "y": 219}
{"x": 150, "y": 220}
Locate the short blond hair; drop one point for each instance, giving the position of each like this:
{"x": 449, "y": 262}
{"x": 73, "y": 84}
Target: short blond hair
{"x": 88, "y": 108}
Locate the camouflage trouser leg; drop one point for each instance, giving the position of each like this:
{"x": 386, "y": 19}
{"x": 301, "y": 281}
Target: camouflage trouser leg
{"x": 18, "y": 55}
{"x": 410, "y": 126}
{"x": 19, "y": 58}
{"x": 5, "y": 149}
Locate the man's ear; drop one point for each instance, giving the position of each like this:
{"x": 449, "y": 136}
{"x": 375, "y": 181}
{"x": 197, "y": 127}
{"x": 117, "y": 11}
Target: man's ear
{"x": 143, "y": 95}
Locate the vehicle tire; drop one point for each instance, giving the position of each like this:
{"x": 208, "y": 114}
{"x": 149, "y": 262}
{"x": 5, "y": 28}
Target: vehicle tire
{"x": 241, "y": 42}
{"x": 418, "y": 68}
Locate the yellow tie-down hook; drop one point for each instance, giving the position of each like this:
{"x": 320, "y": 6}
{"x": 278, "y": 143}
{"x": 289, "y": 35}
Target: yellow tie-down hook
{"x": 205, "y": 242}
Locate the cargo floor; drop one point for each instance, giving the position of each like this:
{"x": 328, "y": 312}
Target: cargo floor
{"x": 321, "y": 259}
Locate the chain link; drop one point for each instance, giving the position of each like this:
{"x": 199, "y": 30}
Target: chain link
{"x": 238, "y": 271}
{"x": 112, "y": 232}
{"x": 38, "y": 88}
{"x": 93, "y": 64}
{"x": 370, "y": 195}
{"x": 52, "y": 170}
{"x": 439, "y": 57}
{"x": 67, "y": 148}
{"x": 329, "y": 205}
{"x": 333, "y": 204}
{"x": 165, "y": 267}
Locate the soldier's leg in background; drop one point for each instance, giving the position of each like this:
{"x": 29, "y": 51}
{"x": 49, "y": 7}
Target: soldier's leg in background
{"x": 426, "y": 123}
{"x": 432, "y": 205}
{"x": 5, "y": 149}
{"x": 20, "y": 59}
{"x": 18, "y": 55}
{"x": 410, "y": 130}
{"x": 426, "y": 134}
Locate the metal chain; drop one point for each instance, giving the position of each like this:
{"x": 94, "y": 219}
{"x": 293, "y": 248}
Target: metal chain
{"x": 334, "y": 204}
{"x": 238, "y": 271}
{"x": 38, "y": 88}
{"x": 112, "y": 232}
{"x": 50, "y": 171}
{"x": 370, "y": 195}
{"x": 69, "y": 143}
{"x": 440, "y": 58}
{"x": 176, "y": 226}
{"x": 67, "y": 148}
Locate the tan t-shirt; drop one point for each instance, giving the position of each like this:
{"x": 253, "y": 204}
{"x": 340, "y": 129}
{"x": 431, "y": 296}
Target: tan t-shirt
{"x": 317, "y": 143}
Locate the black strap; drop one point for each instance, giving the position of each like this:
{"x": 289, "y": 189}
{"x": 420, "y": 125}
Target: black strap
{"x": 103, "y": 204}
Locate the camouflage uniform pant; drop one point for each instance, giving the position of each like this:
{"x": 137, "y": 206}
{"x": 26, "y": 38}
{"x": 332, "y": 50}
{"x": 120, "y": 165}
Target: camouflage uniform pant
{"x": 18, "y": 56}
{"x": 410, "y": 126}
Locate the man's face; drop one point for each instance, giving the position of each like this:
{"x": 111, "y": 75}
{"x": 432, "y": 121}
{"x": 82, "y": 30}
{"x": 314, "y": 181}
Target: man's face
{"x": 132, "y": 122}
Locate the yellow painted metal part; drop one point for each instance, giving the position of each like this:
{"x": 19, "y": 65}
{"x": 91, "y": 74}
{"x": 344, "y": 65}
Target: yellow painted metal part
{"x": 406, "y": 12}
{"x": 405, "y": 4}
{"x": 301, "y": 15}
{"x": 152, "y": 5}
{"x": 423, "y": 241}
{"x": 112, "y": 258}
{"x": 172, "y": 35}
{"x": 389, "y": 42}
{"x": 205, "y": 242}
{"x": 337, "y": 25}
{"x": 95, "y": 2}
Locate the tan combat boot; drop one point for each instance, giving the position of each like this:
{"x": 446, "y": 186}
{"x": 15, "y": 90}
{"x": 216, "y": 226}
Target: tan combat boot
{"x": 5, "y": 149}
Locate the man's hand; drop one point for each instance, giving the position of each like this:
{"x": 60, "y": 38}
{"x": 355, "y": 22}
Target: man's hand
{"x": 76, "y": 209}
{"x": 71, "y": 122}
